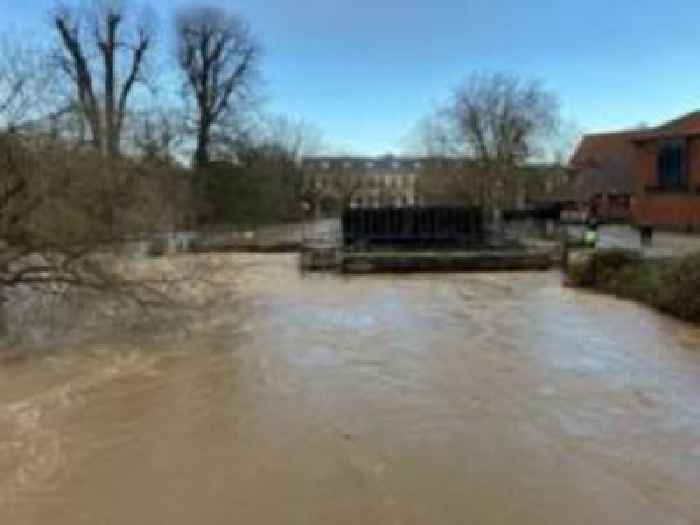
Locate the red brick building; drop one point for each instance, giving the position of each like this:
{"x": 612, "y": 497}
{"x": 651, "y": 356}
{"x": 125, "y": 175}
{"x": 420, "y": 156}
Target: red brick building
{"x": 667, "y": 175}
{"x": 602, "y": 176}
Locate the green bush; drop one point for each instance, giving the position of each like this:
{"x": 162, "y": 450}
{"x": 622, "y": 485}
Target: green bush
{"x": 680, "y": 290}
{"x": 580, "y": 269}
{"x": 591, "y": 268}
{"x": 640, "y": 281}
{"x": 616, "y": 258}
{"x": 670, "y": 286}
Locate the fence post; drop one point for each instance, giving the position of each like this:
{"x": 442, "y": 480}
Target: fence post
{"x": 564, "y": 248}
{"x": 3, "y": 318}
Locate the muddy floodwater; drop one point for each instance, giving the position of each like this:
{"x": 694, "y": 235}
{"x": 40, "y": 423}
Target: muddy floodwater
{"x": 446, "y": 399}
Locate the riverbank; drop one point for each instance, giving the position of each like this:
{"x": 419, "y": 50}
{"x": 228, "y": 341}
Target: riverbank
{"x": 265, "y": 239}
{"x": 156, "y": 295}
{"x": 671, "y": 285}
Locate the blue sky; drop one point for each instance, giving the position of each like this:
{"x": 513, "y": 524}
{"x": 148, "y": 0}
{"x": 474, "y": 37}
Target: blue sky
{"x": 365, "y": 71}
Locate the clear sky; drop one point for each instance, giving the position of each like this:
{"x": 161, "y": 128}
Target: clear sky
{"x": 365, "y": 71}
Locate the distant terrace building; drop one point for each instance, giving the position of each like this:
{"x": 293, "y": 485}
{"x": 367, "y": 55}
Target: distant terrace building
{"x": 333, "y": 183}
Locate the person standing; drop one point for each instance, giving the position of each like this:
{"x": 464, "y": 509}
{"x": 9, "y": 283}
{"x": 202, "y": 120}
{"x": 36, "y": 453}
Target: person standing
{"x": 590, "y": 236}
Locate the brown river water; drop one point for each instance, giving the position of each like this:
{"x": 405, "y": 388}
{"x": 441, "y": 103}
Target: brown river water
{"x": 446, "y": 399}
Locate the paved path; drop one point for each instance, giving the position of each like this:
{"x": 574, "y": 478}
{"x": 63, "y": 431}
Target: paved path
{"x": 665, "y": 244}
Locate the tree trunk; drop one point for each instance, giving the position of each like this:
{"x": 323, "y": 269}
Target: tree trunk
{"x": 201, "y": 156}
{"x": 108, "y": 48}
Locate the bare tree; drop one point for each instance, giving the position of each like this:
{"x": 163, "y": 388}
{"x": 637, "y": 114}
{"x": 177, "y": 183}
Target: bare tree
{"x": 295, "y": 137}
{"x": 101, "y": 49}
{"x": 65, "y": 214}
{"x": 283, "y": 144}
{"x": 13, "y": 84}
{"x": 156, "y": 135}
{"x": 218, "y": 56}
{"x": 433, "y": 137}
{"x": 261, "y": 182}
{"x": 494, "y": 125}
{"x": 502, "y": 120}
{"x": 27, "y": 94}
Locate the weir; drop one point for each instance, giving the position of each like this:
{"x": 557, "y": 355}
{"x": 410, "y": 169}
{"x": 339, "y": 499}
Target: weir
{"x": 419, "y": 239}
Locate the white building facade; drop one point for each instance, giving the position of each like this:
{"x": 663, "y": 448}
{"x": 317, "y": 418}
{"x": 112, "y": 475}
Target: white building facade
{"x": 362, "y": 181}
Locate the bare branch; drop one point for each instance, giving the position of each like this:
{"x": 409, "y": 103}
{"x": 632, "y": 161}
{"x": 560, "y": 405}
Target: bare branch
{"x": 68, "y": 32}
{"x": 495, "y": 123}
{"x": 105, "y": 117}
{"x": 25, "y": 82}
{"x": 138, "y": 54}
{"x": 217, "y": 56}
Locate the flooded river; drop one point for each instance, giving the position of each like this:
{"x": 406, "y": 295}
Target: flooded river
{"x": 445, "y": 399}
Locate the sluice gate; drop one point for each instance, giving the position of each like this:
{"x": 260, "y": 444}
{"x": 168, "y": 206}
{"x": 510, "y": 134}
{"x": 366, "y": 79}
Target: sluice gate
{"x": 417, "y": 239}
{"x": 413, "y": 228}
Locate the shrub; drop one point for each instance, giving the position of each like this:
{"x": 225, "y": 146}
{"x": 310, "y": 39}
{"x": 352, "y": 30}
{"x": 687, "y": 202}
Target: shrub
{"x": 592, "y": 268}
{"x": 670, "y": 286}
{"x": 680, "y": 292}
{"x": 616, "y": 258}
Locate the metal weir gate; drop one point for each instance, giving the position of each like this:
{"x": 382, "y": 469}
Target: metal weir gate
{"x": 413, "y": 228}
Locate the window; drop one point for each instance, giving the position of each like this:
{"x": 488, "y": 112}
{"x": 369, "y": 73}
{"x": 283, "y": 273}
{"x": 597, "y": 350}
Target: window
{"x": 326, "y": 165}
{"x": 672, "y": 165}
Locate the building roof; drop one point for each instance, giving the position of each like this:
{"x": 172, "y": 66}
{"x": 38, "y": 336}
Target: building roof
{"x": 687, "y": 125}
{"x": 592, "y": 181}
{"x": 403, "y": 162}
{"x": 364, "y": 163}
{"x": 598, "y": 149}
{"x": 602, "y": 164}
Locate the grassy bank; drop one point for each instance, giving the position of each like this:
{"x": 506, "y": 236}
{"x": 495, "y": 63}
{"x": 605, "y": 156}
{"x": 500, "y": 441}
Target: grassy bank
{"x": 672, "y": 286}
